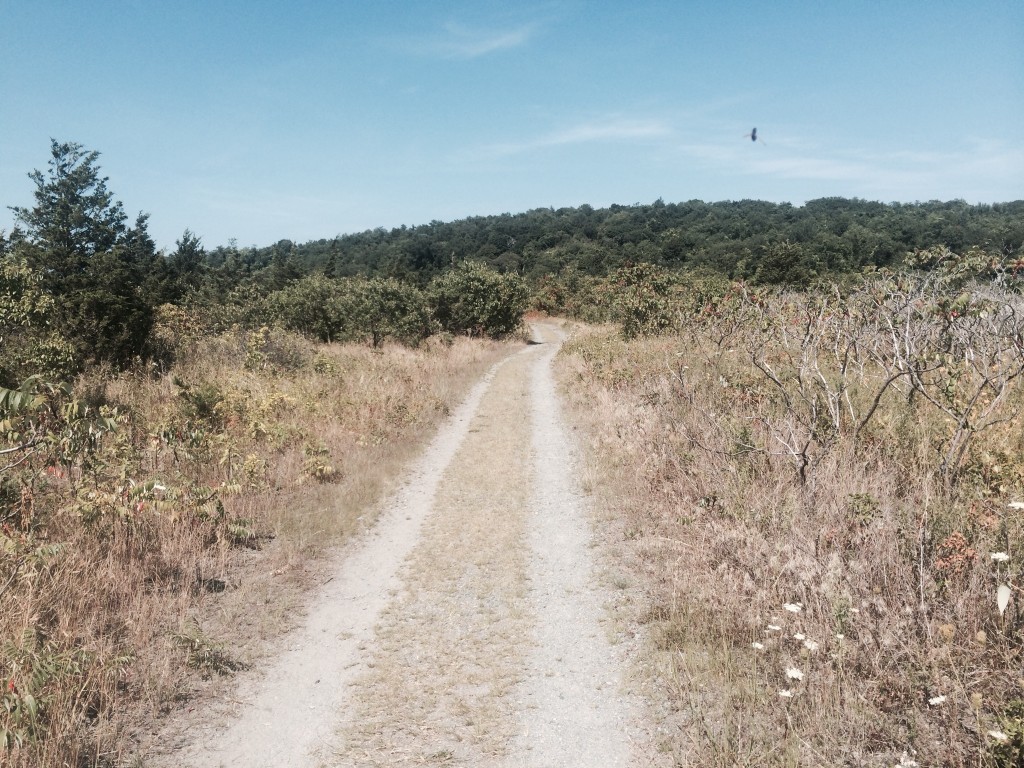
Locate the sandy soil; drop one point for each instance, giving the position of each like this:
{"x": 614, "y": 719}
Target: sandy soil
{"x": 469, "y": 627}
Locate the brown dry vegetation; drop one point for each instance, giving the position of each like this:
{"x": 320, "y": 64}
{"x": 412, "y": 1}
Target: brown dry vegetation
{"x": 120, "y": 568}
{"x": 851, "y": 455}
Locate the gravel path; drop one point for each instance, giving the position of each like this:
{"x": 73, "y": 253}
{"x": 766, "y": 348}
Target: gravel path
{"x": 577, "y": 713}
{"x": 465, "y": 629}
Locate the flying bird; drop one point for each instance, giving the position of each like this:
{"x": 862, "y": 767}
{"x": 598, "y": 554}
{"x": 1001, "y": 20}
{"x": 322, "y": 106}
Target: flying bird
{"x": 753, "y": 136}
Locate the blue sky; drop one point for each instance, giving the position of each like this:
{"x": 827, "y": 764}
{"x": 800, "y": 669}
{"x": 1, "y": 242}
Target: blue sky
{"x": 267, "y": 120}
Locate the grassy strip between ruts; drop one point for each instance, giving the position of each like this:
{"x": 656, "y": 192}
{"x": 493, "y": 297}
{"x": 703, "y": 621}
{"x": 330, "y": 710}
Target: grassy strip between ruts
{"x": 450, "y": 648}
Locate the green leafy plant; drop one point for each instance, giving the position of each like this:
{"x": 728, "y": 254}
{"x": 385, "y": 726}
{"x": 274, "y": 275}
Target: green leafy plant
{"x": 29, "y": 343}
{"x": 1007, "y": 743}
{"x": 204, "y": 654}
{"x": 642, "y": 300}
{"x": 316, "y": 465}
{"x": 39, "y": 668}
{"x": 474, "y": 300}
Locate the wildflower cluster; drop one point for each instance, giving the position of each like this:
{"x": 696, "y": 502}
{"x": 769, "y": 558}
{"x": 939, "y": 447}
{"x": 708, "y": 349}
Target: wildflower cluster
{"x": 805, "y": 646}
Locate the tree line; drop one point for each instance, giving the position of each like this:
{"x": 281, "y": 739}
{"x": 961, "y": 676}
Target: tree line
{"x": 732, "y": 238}
{"x": 81, "y": 282}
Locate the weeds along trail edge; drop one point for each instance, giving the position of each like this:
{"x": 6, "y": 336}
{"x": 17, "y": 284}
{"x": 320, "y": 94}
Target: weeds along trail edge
{"x": 287, "y": 716}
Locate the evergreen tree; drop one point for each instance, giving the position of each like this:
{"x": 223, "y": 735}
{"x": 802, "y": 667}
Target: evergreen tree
{"x": 75, "y": 215}
{"x": 185, "y": 269}
{"x": 90, "y": 261}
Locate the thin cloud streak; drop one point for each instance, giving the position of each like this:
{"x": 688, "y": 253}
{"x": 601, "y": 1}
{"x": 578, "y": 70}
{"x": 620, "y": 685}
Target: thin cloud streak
{"x": 459, "y": 41}
{"x": 891, "y": 175}
{"x": 608, "y": 130}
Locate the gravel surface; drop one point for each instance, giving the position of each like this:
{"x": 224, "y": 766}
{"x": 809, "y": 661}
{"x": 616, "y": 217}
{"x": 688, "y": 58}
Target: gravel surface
{"x": 466, "y": 628}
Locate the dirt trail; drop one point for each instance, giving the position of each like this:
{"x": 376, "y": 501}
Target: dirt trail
{"x": 466, "y": 628}
{"x": 579, "y": 714}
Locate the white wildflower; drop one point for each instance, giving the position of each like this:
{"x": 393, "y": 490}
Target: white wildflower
{"x": 936, "y": 700}
{"x": 793, "y": 607}
{"x": 906, "y": 761}
{"x": 1000, "y": 557}
{"x": 810, "y": 645}
{"x": 999, "y": 736}
{"x": 757, "y": 646}
{"x": 794, "y": 674}
{"x": 786, "y": 694}
{"x": 840, "y": 636}
{"x": 855, "y": 610}
{"x": 1016, "y": 505}
{"x": 799, "y": 636}
{"x": 774, "y": 628}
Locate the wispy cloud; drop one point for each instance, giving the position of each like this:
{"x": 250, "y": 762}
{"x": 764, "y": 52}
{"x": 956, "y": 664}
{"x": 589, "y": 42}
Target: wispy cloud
{"x": 979, "y": 170}
{"x": 460, "y": 41}
{"x": 469, "y": 43}
{"x": 610, "y": 129}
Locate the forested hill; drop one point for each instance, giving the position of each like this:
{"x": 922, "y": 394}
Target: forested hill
{"x": 80, "y": 282}
{"x": 825, "y": 235}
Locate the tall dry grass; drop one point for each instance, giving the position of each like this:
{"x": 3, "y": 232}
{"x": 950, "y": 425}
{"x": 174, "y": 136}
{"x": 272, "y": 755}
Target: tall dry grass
{"x": 817, "y": 594}
{"x": 167, "y": 553}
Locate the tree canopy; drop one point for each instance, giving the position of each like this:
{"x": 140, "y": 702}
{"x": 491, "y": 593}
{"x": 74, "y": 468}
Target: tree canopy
{"x": 830, "y": 235}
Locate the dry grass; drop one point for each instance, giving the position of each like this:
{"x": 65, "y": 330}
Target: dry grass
{"x": 901, "y": 650}
{"x": 449, "y": 650}
{"x": 119, "y": 597}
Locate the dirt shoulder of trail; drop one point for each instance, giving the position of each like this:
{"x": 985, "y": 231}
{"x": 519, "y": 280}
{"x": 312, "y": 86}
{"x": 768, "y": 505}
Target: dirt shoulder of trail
{"x": 470, "y": 626}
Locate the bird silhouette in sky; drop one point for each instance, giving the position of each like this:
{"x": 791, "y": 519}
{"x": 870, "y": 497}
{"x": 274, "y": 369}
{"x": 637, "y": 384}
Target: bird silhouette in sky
{"x": 752, "y": 136}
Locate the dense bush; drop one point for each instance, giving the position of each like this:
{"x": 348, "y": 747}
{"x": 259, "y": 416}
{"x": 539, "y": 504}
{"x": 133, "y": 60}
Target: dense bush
{"x": 642, "y": 300}
{"x": 572, "y": 293}
{"x": 475, "y": 300}
{"x": 389, "y": 309}
{"x": 29, "y": 344}
{"x": 315, "y": 306}
{"x": 353, "y": 309}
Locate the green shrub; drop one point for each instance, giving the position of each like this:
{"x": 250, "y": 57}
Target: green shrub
{"x": 356, "y": 309}
{"x": 475, "y": 300}
{"x": 29, "y": 345}
{"x": 1009, "y": 750}
{"x": 388, "y": 308}
{"x": 276, "y": 349}
{"x": 642, "y": 301}
{"x": 175, "y": 331}
{"x": 316, "y": 306}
